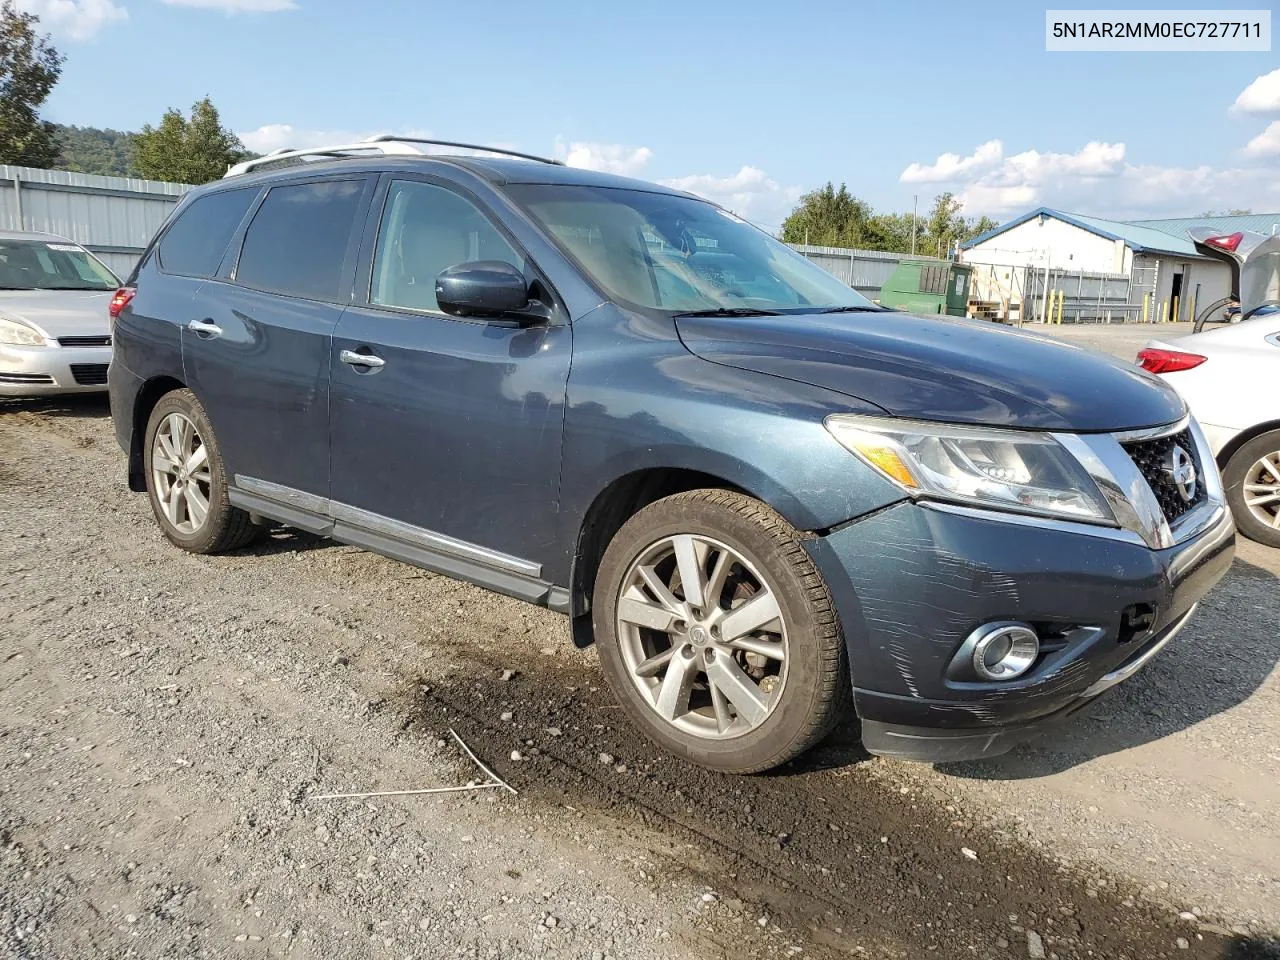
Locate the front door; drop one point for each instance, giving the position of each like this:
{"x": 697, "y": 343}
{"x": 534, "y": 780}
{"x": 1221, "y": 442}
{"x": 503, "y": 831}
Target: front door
{"x": 257, "y": 353}
{"x": 455, "y": 434}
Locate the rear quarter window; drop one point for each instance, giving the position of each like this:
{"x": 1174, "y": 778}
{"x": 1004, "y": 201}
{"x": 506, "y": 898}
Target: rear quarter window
{"x": 195, "y": 244}
{"x": 297, "y": 242}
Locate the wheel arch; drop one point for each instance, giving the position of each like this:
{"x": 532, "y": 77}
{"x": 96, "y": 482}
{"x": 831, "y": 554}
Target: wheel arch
{"x": 1243, "y": 437}
{"x": 612, "y": 507}
{"x": 149, "y": 394}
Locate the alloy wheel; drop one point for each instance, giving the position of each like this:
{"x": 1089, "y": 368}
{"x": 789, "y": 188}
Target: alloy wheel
{"x": 702, "y": 636}
{"x": 1262, "y": 489}
{"x": 180, "y": 473}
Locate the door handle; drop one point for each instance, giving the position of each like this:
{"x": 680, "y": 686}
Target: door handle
{"x": 361, "y": 359}
{"x": 205, "y": 328}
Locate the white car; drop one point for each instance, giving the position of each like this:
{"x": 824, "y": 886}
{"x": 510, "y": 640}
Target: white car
{"x": 55, "y": 334}
{"x": 1230, "y": 378}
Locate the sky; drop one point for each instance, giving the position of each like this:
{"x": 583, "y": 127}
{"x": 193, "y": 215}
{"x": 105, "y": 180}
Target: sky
{"x": 749, "y": 103}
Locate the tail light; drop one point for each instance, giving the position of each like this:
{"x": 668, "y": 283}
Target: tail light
{"x": 1229, "y": 242}
{"x": 1155, "y": 360}
{"x": 120, "y": 301}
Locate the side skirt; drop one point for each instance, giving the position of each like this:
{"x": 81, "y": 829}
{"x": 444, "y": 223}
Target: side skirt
{"x": 391, "y": 538}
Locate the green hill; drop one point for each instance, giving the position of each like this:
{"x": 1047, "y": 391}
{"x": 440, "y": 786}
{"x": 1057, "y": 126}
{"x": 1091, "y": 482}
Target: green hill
{"x": 91, "y": 150}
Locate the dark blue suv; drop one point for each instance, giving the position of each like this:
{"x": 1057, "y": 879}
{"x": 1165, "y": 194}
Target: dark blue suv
{"x": 763, "y": 497}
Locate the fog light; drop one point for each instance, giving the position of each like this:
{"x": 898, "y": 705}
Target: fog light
{"x": 1003, "y": 651}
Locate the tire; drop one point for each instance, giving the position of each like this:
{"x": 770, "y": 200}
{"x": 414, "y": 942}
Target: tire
{"x": 1256, "y": 465}
{"x": 199, "y": 477}
{"x": 797, "y": 671}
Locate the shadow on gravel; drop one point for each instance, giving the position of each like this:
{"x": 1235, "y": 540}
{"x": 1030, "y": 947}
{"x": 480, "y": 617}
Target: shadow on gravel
{"x": 836, "y": 856}
{"x": 1225, "y": 655}
{"x": 1253, "y": 949}
{"x": 286, "y": 540}
{"x": 87, "y": 405}
{"x": 841, "y": 749}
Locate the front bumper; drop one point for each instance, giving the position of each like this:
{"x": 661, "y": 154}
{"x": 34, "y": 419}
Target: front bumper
{"x": 44, "y": 371}
{"x": 910, "y": 583}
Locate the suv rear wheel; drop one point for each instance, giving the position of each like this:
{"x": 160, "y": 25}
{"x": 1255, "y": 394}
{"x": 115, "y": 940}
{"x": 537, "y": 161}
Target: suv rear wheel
{"x": 187, "y": 481}
{"x": 717, "y": 634}
{"x": 1252, "y": 481}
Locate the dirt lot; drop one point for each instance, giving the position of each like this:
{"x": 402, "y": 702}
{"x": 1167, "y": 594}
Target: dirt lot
{"x": 167, "y": 720}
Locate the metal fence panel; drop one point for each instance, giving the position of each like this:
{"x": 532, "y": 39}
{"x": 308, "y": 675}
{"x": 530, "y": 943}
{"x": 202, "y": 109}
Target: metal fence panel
{"x": 864, "y": 270}
{"x": 115, "y": 217}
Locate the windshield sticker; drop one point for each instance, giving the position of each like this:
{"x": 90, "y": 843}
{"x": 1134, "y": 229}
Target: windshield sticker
{"x": 63, "y": 247}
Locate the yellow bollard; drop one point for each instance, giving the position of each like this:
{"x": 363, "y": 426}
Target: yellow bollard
{"x": 1174, "y": 311}
{"x": 1146, "y": 307}
{"x": 1164, "y": 312}
{"x": 1062, "y": 295}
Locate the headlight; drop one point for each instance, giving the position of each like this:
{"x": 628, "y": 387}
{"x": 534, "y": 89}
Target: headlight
{"x": 11, "y": 331}
{"x": 984, "y": 467}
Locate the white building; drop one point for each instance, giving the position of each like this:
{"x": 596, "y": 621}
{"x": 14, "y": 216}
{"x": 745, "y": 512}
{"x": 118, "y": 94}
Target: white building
{"x": 1104, "y": 269}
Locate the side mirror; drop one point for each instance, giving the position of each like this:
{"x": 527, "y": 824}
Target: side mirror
{"x": 482, "y": 288}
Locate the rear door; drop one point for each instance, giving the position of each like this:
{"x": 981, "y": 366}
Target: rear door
{"x": 457, "y": 431}
{"x": 192, "y": 246}
{"x": 257, "y": 353}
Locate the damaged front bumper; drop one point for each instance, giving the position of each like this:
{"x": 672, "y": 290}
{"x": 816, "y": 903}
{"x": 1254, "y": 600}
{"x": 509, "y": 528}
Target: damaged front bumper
{"x": 911, "y": 582}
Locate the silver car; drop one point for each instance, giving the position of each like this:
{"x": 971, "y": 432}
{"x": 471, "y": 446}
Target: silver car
{"x": 55, "y": 334}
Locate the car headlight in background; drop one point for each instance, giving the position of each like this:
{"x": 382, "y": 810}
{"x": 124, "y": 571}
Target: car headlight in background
{"x": 999, "y": 469}
{"x": 19, "y": 334}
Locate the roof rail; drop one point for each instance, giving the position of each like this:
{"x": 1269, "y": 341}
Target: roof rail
{"x": 391, "y": 137}
{"x": 387, "y": 143}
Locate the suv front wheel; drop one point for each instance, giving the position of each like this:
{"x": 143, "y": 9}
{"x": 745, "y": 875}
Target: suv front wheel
{"x": 717, "y": 634}
{"x": 187, "y": 482}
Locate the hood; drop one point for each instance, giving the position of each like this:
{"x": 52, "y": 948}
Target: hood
{"x": 60, "y": 313}
{"x": 949, "y": 370}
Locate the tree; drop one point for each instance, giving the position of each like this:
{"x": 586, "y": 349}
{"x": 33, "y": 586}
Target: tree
{"x": 943, "y": 226}
{"x": 835, "y": 218}
{"x": 29, "y": 68}
{"x": 187, "y": 151}
{"x": 828, "y": 217}
{"x": 93, "y": 150}
{"x": 976, "y": 228}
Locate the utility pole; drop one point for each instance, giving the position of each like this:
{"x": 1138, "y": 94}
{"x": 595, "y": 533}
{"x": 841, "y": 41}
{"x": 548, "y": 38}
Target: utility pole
{"x": 915, "y": 199}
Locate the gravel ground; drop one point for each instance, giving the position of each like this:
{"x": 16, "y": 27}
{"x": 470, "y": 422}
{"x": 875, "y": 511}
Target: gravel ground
{"x": 168, "y": 720}
{"x": 1123, "y": 340}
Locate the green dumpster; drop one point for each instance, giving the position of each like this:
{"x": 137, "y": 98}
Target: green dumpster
{"x": 928, "y": 286}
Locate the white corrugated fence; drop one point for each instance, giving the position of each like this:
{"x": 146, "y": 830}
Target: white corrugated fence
{"x": 115, "y": 217}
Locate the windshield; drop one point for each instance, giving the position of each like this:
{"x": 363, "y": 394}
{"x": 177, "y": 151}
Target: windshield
{"x": 680, "y": 255}
{"x": 41, "y": 265}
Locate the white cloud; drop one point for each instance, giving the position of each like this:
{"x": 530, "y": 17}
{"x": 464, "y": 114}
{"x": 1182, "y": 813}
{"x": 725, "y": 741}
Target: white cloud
{"x": 604, "y": 157}
{"x": 237, "y": 6}
{"x": 1100, "y": 179}
{"x": 948, "y": 166}
{"x": 1261, "y": 96}
{"x": 1265, "y": 144}
{"x": 284, "y": 136}
{"x": 750, "y": 193}
{"x": 77, "y": 20}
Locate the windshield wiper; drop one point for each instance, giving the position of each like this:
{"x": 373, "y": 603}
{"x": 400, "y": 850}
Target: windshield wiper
{"x": 730, "y": 312}
{"x": 867, "y": 309}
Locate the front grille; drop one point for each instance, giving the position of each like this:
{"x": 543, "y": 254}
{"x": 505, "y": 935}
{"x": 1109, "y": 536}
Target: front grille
{"x": 25, "y": 378}
{"x": 103, "y": 341}
{"x": 1154, "y": 459}
{"x": 89, "y": 374}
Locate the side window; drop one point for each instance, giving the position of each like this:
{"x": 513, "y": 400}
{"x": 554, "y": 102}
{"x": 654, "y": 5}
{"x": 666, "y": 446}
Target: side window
{"x": 425, "y": 229}
{"x": 194, "y": 245}
{"x": 297, "y": 242}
